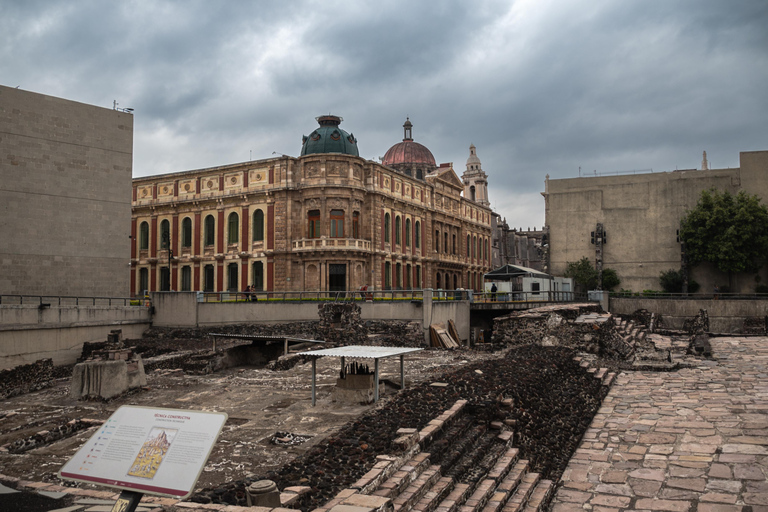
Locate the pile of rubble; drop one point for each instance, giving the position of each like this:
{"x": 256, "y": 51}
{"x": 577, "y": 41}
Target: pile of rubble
{"x": 45, "y": 437}
{"x": 546, "y": 396}
{"x": 26, "y": 378}
{"x": 583, "y": 327}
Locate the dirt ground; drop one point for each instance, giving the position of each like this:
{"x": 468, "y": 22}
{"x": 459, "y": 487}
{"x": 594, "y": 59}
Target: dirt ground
{"x": 259, "y": 402}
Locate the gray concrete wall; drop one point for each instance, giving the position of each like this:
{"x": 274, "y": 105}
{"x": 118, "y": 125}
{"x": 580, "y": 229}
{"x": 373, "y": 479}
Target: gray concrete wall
{"x": 725, "y": 316}
{"x": 65, "y": 196}
{"x": 28, "y": 334}
{"x": 181, "y": 309}
{"x": 641, "y": 214}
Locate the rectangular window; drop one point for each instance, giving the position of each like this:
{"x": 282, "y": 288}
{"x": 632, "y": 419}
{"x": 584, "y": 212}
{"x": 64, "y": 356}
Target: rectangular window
{"x": 208, "y": 278}
{"x": 313, "y": 229}
{"x": 535, "y": 288}
{"x": 186, "y": 278}
{"x": 337, "y": 223}
{"x": 356, "y": 225}
{"x": 418, "y": 277}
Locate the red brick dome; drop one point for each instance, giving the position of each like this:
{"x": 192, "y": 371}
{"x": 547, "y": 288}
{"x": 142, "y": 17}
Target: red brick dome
{"x": 408, "y": 151}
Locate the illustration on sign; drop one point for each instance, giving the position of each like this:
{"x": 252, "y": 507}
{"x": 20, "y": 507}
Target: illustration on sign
{"x": 152, "y": 452}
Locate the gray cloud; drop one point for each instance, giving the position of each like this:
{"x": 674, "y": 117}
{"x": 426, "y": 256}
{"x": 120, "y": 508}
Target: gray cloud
{"x": 540, "y": 87}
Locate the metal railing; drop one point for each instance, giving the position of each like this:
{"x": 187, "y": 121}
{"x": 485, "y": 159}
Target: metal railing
{"x": 389, "y": 296}
{"x": 651, "y": 294}
{"x": 45, "y": 301}
{"x": 314, "y": 296}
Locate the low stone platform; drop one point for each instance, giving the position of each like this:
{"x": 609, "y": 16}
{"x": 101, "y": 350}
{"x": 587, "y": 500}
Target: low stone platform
{"x": 694, "y": 440}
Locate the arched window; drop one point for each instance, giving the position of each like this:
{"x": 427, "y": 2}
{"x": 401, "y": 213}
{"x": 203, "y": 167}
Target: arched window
{"x": 387, "y": 227}
{"x": 407, "y": 232}
{"x": 469, "y": 245}
{"x": 408, "y": 271}
{"x": 165, "y": 234}
{"x": 418, "y": 234}
{"x": 233, "y": 228}
{"x": 209, "y": 233}
{"x": 356, "y": 225}
{"x": 437, "y": 240}
{"x": 144, "y": 236}
{"x": 437, "y": 278}
{"x": 485, "y": 249}
{"x": 258, "y": 226}
{"x": 398, "y": 228}
{"x": 399, "y": 276}
{"x": 387, "y": 275}
{"x": 418, "y": 277}
{"x": 337, "y": 223}
{"x": 454, "y": 244}
{"x": 232, "y": 277}
{"x": 258, "y": 276}
{"x": 474, "y": 247}
{"x": 445, "y": 242}
{"x": 313, "y": 228}
{"x": 186, "y": 233}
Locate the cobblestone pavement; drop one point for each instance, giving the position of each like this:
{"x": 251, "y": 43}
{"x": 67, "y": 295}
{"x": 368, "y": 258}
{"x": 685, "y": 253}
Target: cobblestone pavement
{"x": 695, "y": 440}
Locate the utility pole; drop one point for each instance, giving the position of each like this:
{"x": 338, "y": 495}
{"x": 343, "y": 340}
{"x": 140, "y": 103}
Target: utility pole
{"x": 598, "y": 238}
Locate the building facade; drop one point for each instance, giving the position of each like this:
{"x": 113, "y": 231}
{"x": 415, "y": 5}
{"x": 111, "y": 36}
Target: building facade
{"x": 326, "y": 220}
{"x": 640, "y": 215}
{"x": 65, "y": 196}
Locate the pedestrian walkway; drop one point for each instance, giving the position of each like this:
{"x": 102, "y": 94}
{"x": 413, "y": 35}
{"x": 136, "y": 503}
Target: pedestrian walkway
{"x": 694, "y": 440}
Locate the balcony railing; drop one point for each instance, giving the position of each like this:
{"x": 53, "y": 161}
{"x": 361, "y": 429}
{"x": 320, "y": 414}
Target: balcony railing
{"x": 325, "y": 243}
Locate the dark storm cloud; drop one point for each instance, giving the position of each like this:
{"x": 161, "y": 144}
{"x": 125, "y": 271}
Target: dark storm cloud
{"x": 540, "y": 87}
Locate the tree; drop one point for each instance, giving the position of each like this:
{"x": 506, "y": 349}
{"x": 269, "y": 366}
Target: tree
{"x": 585, "y": 275}
{"x": 672, "y": 282}
{"x": 731, "y": 232}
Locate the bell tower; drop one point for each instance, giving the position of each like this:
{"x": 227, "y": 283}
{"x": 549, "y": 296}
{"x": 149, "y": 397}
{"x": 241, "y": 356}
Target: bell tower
{"x": 475, "y": 180}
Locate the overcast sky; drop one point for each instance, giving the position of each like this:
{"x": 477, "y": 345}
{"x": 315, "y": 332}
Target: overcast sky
{"x": 540, "y": 87}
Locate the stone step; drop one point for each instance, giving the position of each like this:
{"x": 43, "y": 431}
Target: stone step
{"x": 540, "y": 496}
{"x": 499, "y": 498}
{"x": 608, "y": 380}
{"x": 480, "y": 496}
{"x": 413, "y": 493}
{"x": 503, "y": 465}
{"x": 402, "y": 478}
{"x": 601, "y": 373}
{"x": 455, "y": 498}
{"x": 436, "y": 494}
{"x": 519, "y": 499}
{"x": 513, "y": 478}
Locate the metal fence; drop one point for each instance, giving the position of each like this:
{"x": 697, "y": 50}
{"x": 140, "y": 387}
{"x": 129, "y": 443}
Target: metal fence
{"x": 45, "y": 301}
{"x": 650, "y": 294}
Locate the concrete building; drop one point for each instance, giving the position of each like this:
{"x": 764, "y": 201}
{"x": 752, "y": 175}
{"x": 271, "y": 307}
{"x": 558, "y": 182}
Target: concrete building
{"x": 326, "y": 220}
{"x": 640, "y": 214}
{"x": 65, "y": 189}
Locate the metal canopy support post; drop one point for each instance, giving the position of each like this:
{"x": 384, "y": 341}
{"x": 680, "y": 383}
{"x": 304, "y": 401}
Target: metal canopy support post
{"x": 314, "y": 379}
{"x": 402, "y": 372}
{"x": 342, "y": 366}
{"x": 376, "y": 380}
{"x": 285, "y": 349}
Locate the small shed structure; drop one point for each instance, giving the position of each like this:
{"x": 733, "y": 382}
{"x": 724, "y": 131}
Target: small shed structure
{"x": 360, "y": 352}
{"x": 516, "y": 282}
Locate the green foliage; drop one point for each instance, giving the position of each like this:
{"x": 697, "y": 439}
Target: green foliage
{"x": 585, "y": 275}
{"x": 672, "y": 282}
{"x": 728, "y": 231}
{"x": 610, "y": 279}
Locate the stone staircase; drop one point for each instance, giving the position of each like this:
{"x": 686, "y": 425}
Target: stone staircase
{"x": 454, "y": 464}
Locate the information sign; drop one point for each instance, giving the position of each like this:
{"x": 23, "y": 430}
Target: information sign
{"x": 148, "y": 450}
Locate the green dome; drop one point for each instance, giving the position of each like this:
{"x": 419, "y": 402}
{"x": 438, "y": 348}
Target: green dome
{"x": 329, "y": 138}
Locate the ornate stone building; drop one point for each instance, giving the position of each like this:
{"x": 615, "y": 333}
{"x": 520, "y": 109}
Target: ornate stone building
{"x": 327, "y": 220}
